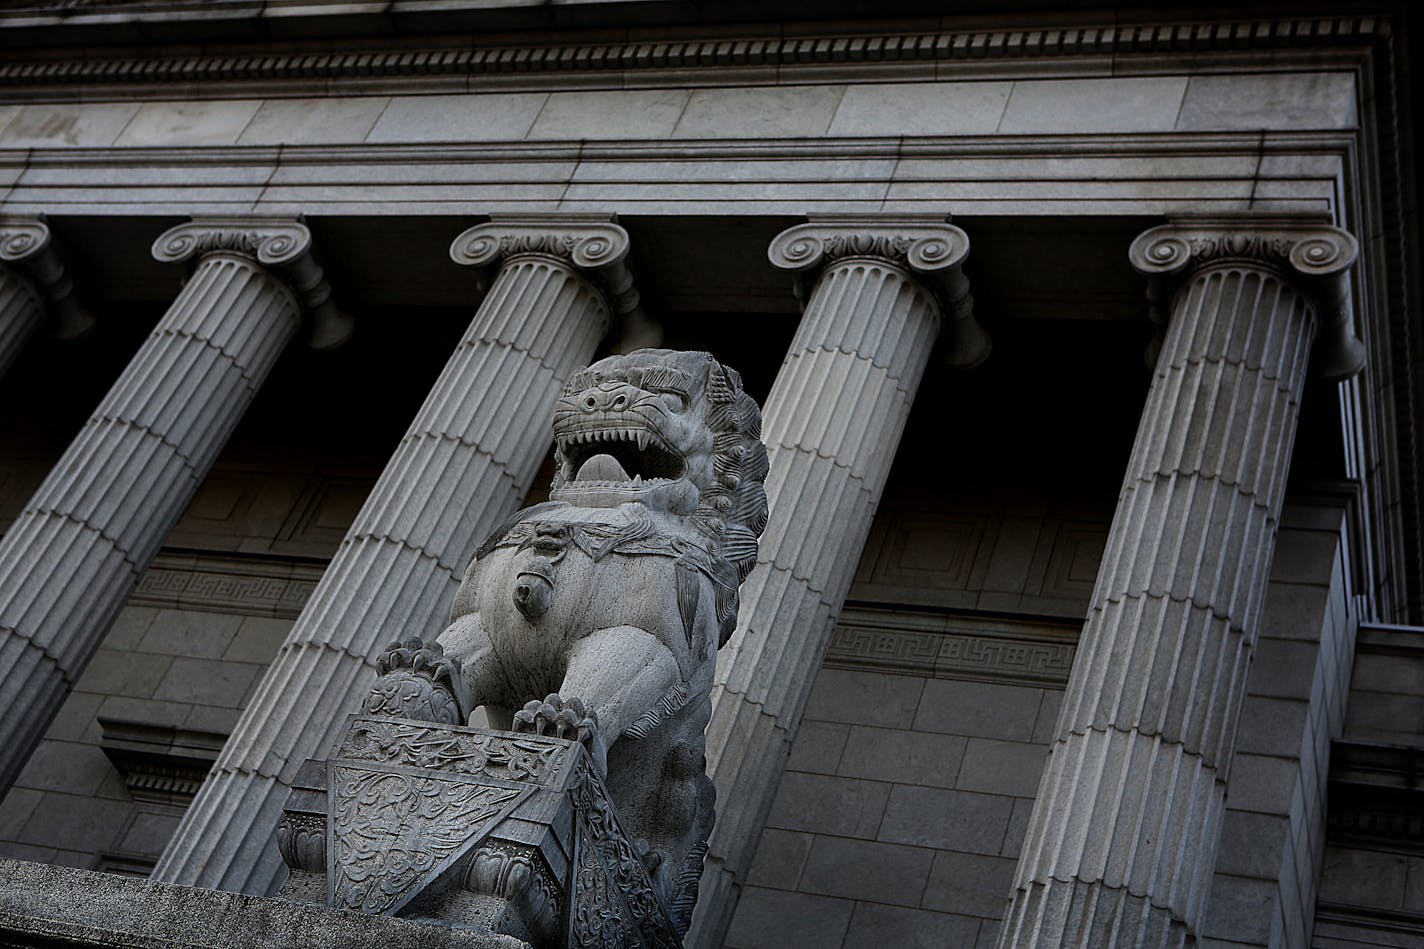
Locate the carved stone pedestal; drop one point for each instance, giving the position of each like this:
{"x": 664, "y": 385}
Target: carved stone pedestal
{"x": 475, "y": 828}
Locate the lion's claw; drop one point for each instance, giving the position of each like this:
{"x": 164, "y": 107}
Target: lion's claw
{"x": 558, "y": 718}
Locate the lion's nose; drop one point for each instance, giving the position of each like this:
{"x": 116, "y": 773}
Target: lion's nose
{"x": 608, "y": 397}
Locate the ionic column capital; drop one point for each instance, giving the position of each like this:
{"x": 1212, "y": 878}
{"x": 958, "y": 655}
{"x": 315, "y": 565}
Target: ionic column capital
{"x": 923, "y": 246}
{"x": 26, "y": 243}
{"x": 927, "y": 248}
{"x": 282, "y": 245}
{"x": 594, "y": 245}
{"x": 1314, "y": 256}
{"x": 23, "y": 240}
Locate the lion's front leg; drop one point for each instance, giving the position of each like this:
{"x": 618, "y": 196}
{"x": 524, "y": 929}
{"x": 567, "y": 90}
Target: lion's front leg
{"x": 620, "y": 672}
{"x": 467, "y": 640}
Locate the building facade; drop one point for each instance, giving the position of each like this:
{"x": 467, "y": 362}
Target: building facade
{"x": 1088, "y": 348}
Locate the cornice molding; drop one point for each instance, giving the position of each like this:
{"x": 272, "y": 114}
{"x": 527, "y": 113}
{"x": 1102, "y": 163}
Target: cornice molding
{"x": 694, "y": 52}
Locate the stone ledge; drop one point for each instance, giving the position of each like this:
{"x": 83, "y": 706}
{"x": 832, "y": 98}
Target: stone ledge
{"x": 57, "y": 906}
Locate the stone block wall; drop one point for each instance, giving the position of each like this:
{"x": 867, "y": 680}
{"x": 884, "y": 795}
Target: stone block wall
{"x": 1273, "y": 833}
{"x": 114, "y": 773}
{"x": 903, "y": 805}
{"x": 900, "y": 814}
{"x": 1372, "y": 883}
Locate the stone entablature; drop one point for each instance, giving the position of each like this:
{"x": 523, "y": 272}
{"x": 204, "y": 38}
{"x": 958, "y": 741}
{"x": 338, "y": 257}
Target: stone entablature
{"x": 972, "y": 53}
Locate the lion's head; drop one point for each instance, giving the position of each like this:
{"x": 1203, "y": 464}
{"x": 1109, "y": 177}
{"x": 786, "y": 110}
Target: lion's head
{"x": 672, "y": 431}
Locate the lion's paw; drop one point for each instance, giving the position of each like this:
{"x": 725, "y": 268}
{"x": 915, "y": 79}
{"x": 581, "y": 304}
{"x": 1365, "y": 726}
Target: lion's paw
{"x": 558, "y": 718}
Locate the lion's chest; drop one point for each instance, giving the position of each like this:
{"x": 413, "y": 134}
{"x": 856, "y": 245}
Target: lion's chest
{"x": 583, "y": 595}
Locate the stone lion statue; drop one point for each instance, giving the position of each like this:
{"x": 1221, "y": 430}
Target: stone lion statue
{"x": 597, "y": 615}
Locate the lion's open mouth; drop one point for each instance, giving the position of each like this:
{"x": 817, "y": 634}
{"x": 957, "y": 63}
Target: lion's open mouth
{"x": 619, "y": 455}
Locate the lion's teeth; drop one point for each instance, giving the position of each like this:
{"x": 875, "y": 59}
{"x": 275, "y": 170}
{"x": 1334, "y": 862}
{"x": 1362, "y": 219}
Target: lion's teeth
{"x": 642, "y": 437}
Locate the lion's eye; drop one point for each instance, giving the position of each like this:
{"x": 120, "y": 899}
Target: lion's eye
{"x": 673, "y": 401}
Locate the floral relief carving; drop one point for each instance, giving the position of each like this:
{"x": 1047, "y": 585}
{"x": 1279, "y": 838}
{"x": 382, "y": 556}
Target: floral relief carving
{"x": 391, "y": 830}
{"x": 528, "y": 760}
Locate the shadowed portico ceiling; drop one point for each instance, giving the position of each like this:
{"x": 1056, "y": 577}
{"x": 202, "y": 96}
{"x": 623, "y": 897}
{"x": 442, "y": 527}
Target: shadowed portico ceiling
{"x": 1021, "y": 268}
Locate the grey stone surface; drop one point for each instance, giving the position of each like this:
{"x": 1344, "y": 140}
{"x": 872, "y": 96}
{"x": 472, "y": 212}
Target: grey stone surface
{"x": 1293, "y": 668}
{"x": 969, "y": 884}
{"x": 864, "y": 698}
{"x": 129, "y": 674}
{"x": 818, "y": 747}
{"x": 898, "y": 926}
{"x": 960, "y": 821}
{"x": 83, "y": 125}
{"x": 1094, "y": 105}
{"x": 15, "y": 811}
{"x": 1276, "y": 725}
{"x": 1362, "y": 877}
{"x": 759, "y": 112}
{"x": 774, "y": 919}
{"x": 207, "y": 681}
{"x": 257, "y": 639}
{"x": 904, "y": 757}
{"x": 779, "y": 858}
{"x": 458, "y": 118}
{"x": 612, "y": 597}
{"x": 467, "y": 460}
{"x": 829, "y": 805}
{"x": 865, "y": 334}
{"x": 97, "y": 521}
{"x": 67, "y": 766}
{"x": 1185, "y": 567}
{"x": 20, "y": 314}
{"x": 1001, "y": 767}
{"x": 979, "y": 709}
{"x": 883, "y": 873}
{"x": 75, "y": 823}
{"x": 81, "y": 907}
{"x": 614, "y": 114}
{"x": 313, "y": 121}
{"x": 1269, "y": 101}
{"x": 189, "y": 123}
{"x": 1261, "y": 784}
{"x": 189, "y": 633}
{"x": 941, "y": 108}
{"x": 1253, "y": 844}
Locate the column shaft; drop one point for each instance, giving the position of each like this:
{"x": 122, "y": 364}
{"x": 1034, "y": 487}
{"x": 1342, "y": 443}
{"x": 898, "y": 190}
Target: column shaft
{"x": 832, "y": 424}
{"x": 464, "y": 465}
{"x": 1122, "y": 840}
{"x": 32, "y": 278}
{"x": 73, "y": 556}
{"x": 20, "y": 313}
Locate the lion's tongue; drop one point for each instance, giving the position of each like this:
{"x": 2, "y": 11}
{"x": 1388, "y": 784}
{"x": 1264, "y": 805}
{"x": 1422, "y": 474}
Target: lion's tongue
{"x": 601, "y": 468}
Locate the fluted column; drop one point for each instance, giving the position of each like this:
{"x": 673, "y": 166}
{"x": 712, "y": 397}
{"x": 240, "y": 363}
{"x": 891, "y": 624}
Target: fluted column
{"x": 32, "y": 276}
{"x": 832, "y": 423}
{"x": 463, "y": 467}
{"x": 74, "y": 554}
{"x": 1122, "y": 841}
